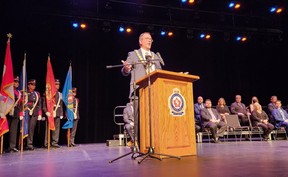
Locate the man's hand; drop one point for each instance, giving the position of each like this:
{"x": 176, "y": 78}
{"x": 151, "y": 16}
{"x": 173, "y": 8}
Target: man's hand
{"x": 39, "y": 117}
{"x": 127, "y": 66}
{"x": 48, "y": 114}
{"x": 132, "y": 123}
{"x": 20, "y": 117}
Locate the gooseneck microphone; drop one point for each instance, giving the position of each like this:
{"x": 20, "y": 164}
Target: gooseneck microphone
{"x": 160, "y": 58}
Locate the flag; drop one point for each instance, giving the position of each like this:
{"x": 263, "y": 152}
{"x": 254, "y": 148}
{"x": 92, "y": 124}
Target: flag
{"x": 23, "y": 88}
{"x": 68, "y": 99}
{"x": 7, "y": 90}
{"x": 50, "y": 93}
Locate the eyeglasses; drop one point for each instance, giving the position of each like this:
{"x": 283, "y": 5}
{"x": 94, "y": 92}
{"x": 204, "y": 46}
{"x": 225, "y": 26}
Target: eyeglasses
{"x": 148, "y": 38}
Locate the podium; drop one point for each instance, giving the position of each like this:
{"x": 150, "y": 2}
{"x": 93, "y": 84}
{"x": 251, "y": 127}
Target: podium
{"x": 172, "y": 113}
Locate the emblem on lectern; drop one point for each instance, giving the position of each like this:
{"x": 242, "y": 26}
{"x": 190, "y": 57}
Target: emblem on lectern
{"x": 177, "y": 103}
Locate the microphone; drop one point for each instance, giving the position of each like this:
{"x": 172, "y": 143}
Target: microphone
{"x": 160, "y": 58}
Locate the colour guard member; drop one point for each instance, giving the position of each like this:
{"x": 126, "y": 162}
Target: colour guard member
{"x": 76, "y": 116}
{"x": 35, "y": 112}
{"x": 57, "y": 114}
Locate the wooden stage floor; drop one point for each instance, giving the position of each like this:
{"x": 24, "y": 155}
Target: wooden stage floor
{"x": 239, "y": 159}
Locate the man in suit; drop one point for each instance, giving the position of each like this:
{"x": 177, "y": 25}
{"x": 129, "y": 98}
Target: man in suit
{"x": 128, "y": 118}
{"x": 34, "y": 106}
{"x": 57, "y": 114}
{"x": 137, "y": 61}
{"x": 280, "y": 116}
{"x": 138, "y": 66}
{"x": 211, "y": 119}
{"x": 197, "y": 108}
{"x": 240, "y": 109}
{"x": 270, "y": 107}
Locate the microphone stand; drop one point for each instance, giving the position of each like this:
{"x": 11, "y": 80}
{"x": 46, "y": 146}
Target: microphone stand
{"x": 151, "y": 151}
{"x": 134, "y": 148}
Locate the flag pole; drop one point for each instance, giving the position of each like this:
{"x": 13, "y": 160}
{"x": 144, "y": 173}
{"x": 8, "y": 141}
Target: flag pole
{"x": 1, "y": 148}
{"x": 48, "y": 135}
{"x": 23, "y": 102}
{"x": 68, "y": 137}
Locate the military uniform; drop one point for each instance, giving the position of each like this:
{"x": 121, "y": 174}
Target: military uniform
{"x": 57, "y": 114}
{"x": 76, "y": 118}
{"x": 13, "y": 117}
{"x": 35, "y": 112}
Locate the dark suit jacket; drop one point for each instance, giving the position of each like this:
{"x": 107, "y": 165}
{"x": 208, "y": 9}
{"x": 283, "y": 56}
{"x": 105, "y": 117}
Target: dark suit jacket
{"x": 128, "y": 115}
{"x": 139, "y": 67}
{"x": 206, "y": 116}
{"x": 236, "y": 108}
{"x": 278, "y": 118}
{"x": 197, "y": 111}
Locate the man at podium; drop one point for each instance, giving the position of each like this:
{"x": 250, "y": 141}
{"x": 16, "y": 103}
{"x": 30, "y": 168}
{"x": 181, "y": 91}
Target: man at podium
{"x": 141, "y": 61}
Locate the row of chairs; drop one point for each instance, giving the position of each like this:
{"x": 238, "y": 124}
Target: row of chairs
{"x": 235, "y": 129}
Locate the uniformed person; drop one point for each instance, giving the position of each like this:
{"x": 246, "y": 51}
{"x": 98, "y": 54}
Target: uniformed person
{"x": 76, "y": 116}
{"x": 35, "y": 111}
{"x": 14, "y": 115}
{"x": 57, "y": 114}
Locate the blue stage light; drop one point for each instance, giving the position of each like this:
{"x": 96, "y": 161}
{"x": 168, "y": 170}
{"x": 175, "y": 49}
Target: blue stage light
{"x": 273, "y": 9}
{"x": 231, "y": 5}
{"x": 121, "y": 29}
{"x": 238, "y": 38}
{"x": 183, "y": 1}
{"x": 202, "y": 35}
{"x": 75, "y": 25}
{"x": 162, "y": 33}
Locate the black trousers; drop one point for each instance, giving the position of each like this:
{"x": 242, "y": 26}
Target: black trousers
{"x": 13, "y": 130}
{"x": 54, "y": 133}
{"x": 73, "y": 131}
{"x": 31, "y": 130}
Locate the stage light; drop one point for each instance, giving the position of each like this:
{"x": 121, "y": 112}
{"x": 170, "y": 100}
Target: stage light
{"x": 183, "y": 1}
{"x": 276, "y": 10}
{"x": 170, "y": 33}
{"x": 128, "y": 30}
{"x": 191, "y": 1}
{"x": 234, "y": 5}
{"x": 238, "y": 38}
{"x": 83, "y": 26}
{"x": 244, "y": 39}
{"x": 75, "y": 25}
{"x": 241, "y": 38}
{"x": 163, "y": 33}
{"x": 208, "y": 36}
{"x": 202, "y": 35}
{"x": 121, "y": 29}
{"x": 205, "y": 36}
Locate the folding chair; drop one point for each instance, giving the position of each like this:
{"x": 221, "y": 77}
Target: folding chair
{"x": 233, "y": 122}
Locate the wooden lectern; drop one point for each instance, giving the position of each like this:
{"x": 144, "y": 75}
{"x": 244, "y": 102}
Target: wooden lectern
{"x": 172, "y": 113}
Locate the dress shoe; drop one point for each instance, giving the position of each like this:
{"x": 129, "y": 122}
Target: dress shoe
{"x": 55, "y": 146}
{"x": 14, "y": 150}
{"x": 72, "y": 145}
{"x": 129, "y": 144}
{"x": 30, "y": 148}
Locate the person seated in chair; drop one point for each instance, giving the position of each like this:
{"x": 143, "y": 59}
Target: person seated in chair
{"x": 280, "y": 116}
{"x": 197, "y": 117}
{"x": 260, "y": 119}
{"x": 211, "y": 119}
{"x": 240, "y": 109}
{"x": 128, "y": 117}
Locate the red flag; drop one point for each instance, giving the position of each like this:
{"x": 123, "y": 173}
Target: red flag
{"x": 7, "y": 90}
{"x": 50, "y": 93}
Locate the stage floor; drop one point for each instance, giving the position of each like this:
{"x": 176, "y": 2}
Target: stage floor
{"x": 239, "y": 159}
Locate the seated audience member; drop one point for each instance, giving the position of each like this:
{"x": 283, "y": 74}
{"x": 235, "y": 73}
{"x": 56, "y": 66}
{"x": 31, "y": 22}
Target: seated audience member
{"x": 280, "y": 116}
{"x": 128, "y": 117}
{"x": 260, "y": 119}
{"x": 271, "y": 106}
{"x": 222, "y": 108}
{"x": 211, "y": 119}
{"x": 254, "y": 100}
{"x": 240, "y": 109}
{"x": 197, "y": 107}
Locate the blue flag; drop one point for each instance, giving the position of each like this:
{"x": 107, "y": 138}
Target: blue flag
{"x": 23, "y": 88}
{"x": 67, "y": 97}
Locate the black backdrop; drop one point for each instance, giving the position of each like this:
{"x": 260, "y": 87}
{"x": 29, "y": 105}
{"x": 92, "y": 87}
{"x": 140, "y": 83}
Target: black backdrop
{"x": 226, "y": 68}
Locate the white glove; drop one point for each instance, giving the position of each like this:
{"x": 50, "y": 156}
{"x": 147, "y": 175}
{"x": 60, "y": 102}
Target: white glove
{"x": 43, "y": 119}
{"x": 75, "y": 116}
{"x": 132, "y": 123}
{"x": 21, "y": 117}
{"x": 61, "y": 117}
{"x": 39, "y": 117}
{"x": 48, "y": 114}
